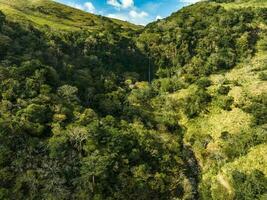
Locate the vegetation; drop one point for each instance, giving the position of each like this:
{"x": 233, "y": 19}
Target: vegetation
{"x": 79, "y": 119}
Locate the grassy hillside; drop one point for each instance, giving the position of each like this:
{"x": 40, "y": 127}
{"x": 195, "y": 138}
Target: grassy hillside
{"x": 58, "y": 16}
{"x": 211, "y": 68}
{"x": 244, "y": 4}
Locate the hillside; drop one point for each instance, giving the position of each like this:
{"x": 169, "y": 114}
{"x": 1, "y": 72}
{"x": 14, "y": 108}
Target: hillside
{"x": 58, "y": 16}
{"x": 211, "y": 68}
{"x": 79, "y": 118}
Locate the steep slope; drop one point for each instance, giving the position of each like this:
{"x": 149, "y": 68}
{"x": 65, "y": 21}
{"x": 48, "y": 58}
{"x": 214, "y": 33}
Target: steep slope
{"x": 211, "y": 60}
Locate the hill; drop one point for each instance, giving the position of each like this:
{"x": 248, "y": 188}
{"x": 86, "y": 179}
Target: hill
{"x": 58, "y": 16}
{"x": 211, "y": 60}
{"x": 81, "y": 119}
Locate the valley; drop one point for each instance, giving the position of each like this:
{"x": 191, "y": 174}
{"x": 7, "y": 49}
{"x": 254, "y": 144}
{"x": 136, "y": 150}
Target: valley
{"x": 80, "y": 118}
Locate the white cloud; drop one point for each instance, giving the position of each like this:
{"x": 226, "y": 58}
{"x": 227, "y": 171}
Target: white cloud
{"x": 189, "y": 1}
{"x": 120, "y": 16}
{"x": 158, "y": 17}
{"x": 75, "y": 5}
{"x": 87, "y": 6}
{"x": 127, "y": 11}
{"x": 121, "y": 4}
{"x": 127, "y": 3}
{"x": 114, "y": 3}
{"x": 135, "y": 14}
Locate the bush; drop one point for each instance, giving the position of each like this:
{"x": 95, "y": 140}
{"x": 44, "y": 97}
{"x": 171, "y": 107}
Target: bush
{"x": 258, "y": 108}
{"x": 235, "y": 145}
{"x": 203, "y": 82}
{"x": 195, "y": 103}
{"x": 249, "y": 186}
{"x": 263, "y": 76}
{"x": 224, "y": 90}
{"x": 225, "y": 102}
{"x": 262, "y": 13}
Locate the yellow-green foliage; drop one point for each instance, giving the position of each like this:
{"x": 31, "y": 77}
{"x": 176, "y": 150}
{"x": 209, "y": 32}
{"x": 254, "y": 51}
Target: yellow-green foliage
{"x": 245, "y": 3}
{"x": 223, "y": 183}
{"x": 229, "y": 141}
{"x": 245, "y": 83}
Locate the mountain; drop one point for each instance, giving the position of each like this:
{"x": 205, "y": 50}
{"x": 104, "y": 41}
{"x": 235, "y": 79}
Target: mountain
{"x": 80, "y": 117}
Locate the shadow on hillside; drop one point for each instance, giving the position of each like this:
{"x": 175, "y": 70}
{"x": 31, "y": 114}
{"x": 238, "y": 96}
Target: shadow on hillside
{"x": 192, "y": 170}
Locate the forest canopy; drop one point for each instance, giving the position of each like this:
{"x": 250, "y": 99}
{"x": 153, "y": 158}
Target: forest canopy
{"x": 81, "y": 119}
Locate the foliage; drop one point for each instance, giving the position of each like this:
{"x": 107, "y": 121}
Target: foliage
{"x": 249, "y": 186}
{"x": 196, "y": 102}
{"x": 258, "y": 108}
{"x": 79, "y": 120}
{"x": 207, "y": 40}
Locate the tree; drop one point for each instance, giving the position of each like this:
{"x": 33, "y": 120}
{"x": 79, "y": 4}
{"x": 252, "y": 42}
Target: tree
{"x": 2, "y": 19}
{"x": 68, "y": 93}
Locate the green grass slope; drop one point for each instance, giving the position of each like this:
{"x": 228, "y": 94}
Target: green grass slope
{"x": 245, "y": 3}
{"x": 58, "y": 16}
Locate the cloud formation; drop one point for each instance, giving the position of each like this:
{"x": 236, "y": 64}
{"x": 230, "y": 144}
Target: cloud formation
{"x": 158, "y": 17}
{"x": 90, "y": 7}
{"x": 127, "y": 11}
{"x": 87, "y": 6}
{"x": 135, "y": 14}
{"x": 121, "y": 4}
{"x": 189, "y": 1}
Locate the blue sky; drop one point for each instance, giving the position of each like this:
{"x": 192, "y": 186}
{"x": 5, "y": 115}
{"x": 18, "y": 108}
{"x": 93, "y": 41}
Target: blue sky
{"x": 135, "y": 11}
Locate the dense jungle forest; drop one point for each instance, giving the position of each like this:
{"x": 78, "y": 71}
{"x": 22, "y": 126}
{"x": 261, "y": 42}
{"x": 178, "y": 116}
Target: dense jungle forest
{"x": 94, "y": 108}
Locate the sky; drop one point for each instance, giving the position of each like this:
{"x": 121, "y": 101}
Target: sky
{"x": 135, "y": 11}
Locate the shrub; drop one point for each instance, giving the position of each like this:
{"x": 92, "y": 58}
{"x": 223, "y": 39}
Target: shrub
{"x": 225, "y": 102}
{"x": 195, "y": 103}
{"x": 235, "y": 145}
{"x": 224, "y": 90}
{"x": 258, "y": 108}
{"x": 263, "y": 76}
{"x": 249, "y": 186}
{"x": 203, "y": 82}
